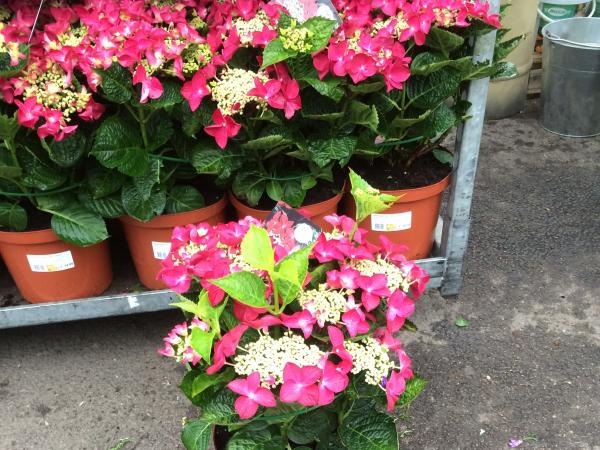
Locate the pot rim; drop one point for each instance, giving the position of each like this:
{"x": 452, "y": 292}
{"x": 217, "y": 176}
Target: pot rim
{"x": 171, "y": 220}
{"x": 414, "y": 194}
{"x": 45, "y": 236}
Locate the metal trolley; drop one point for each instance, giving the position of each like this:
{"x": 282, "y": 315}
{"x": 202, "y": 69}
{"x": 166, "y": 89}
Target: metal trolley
{"x": 445, "y": 266}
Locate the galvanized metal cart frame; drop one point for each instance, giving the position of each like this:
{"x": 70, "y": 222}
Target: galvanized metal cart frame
{"x": 445, "y": 266}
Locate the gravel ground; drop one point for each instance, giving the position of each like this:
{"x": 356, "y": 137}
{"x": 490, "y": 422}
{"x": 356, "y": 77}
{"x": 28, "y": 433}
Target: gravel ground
{"x": 527, "y": 365}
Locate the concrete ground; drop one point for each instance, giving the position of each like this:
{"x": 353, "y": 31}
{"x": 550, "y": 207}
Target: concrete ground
{"x": 527, "y": 366}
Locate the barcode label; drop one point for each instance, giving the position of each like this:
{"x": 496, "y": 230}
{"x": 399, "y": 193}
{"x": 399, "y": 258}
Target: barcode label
{"x": 51, "y": 263}
{"x": 391, "y": 222}
{"x": 161, "y": 249}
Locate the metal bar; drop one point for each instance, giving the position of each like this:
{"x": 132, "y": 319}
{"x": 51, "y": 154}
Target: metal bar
{"x": 111, "y": 305}
{"x": 468, "y": 140}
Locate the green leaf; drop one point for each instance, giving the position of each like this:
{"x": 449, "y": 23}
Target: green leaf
{"x": 202, "y": 342}
{"x": 443, "y": 156}
{"x": 475, "y": 71}
{"x": 203, "y": 381}
{"x": 308, "y": 182}
{"x": 255, "y": 440}
{"x": 102, "y": 181}
{"x": 141, "y": 208}
{"x": 171, "y": 96}
{"x": 77, "y": 225}
{"x": 275, "y": 52}
{"x": 291, "y": 272}
{"x": 414, "y": 387}
{"x": 427, "y": 92}
{"x": 249, "y": 186}
{"x": 461, "y": 322}
{"x": 316, "y": 107}
{"x": 364, "y": 428}
{"x": 338, "y": 149}
{"x": 116, "y": 83}
{"x": 267, "y": 142}
{"x": 8, "y": 127}
{"x": 117, "y": 145}
{"x": 322, "y": 29}
{"x": 505, "y": 48}
{"x": 257, "y": 250}
{"x": 193, "y": 121}
{"x": 505, "y": 69}
{"x": 441, "y": 119}
{"x": 12, "y": 215}
{"x": 428, "y": 62}
{"x": 367, "y": 88}
{"x": 10, "y": 172}
{"x": 274, "y": 190}
{"x": 293, "y": 194}
{"x": 68, "y": 152}
{"x": 39, "y": 173}
{"x": 109, "y": 207}
{"x": 363, "y": 114}
{"x": 405, "y": 122}
{"x": 245, "y": 287}
{"x": 368, "y": 200}
{"x": 196, "y": 435}
{"x": 307, "y": 428}
{"x": 159, "y": 130}
{"x": 217, "y": 405}
{"x": 328, "y": 87}
{"x": 6, "y": 69}
{"x": 183, "y": 198}
{"x": 443, "y": 41}
{"x": 301, "y": 67}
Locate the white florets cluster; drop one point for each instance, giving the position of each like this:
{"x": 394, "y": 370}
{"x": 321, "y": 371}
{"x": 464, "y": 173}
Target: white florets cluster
{"x": 230, "y": 91}
{"x": 245, "y": 28}
{"x": 371, "y": 357}
{"x": 268, "y": 357}
{"x": 324, "y": 304}
{"x": 395, "y": 276}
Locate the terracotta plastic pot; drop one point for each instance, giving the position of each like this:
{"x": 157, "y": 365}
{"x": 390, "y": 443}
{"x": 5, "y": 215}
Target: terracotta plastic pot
{"x": 46, "y": 269}
{"x": 149, "y": 242}
{"x": 410, "y": 221}
{"x": 316, "y": 212}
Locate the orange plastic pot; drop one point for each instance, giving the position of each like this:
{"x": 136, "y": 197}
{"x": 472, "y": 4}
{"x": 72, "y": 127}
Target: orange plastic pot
{"x": 410, "y": 221}
{"x": 315, "y": 212}
{"x": 149, "y": 242}
{"x": 47, "y": 269}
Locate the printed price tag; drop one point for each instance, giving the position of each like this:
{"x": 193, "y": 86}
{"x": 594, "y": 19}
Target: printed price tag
{"x": 291, "y": 229}
{"x": 161, "y": 249}
{"x": 302, "y": 10}
{"x": 51, "y": 263}
{"x": 391, "y": 222}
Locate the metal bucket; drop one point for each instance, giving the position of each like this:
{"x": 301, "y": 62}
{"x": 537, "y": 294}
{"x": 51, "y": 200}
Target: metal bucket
{"x": 571, "y": 77}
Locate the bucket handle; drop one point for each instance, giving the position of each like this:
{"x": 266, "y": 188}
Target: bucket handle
{"x": 550, "y": 20}
{"x": 555, "y": 38}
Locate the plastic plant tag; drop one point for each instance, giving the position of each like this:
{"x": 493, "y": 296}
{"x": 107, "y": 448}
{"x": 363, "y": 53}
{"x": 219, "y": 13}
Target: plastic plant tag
{"x": 161, "y": 249}
{"x": 54, "y": 262}
{"x": 302, "y": 10}
{"x": 391, "y": 222}
{"x": 290, "y": 229}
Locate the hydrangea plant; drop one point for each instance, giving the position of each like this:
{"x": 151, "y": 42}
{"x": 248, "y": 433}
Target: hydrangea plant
{"x": 289, "y": 346}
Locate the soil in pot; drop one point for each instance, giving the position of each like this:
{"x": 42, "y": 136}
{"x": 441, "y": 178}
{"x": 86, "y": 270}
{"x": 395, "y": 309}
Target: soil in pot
{"x": 411, "y": 221}
{"x": 47, "y": 269}
{"x": 320, "y": 201}
{"x": 149, "y": 242}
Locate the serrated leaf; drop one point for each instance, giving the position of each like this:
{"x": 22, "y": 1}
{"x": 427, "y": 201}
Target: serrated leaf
{"x": 116, "y": 83}
{"x": 414, "y": 387}
{"x": 291, "y": 272}
{"x": 203, "y": 381}
{"x": 249, "y": 186}
{"x": 257, "y": 250}
{"x": 441, "y": 119}
{"x": 428, "y": 62}
{"x": 339, "y": 149}
{"x": 245, "y": 287}
{"x": 109, "y": 207}
{"x": 77, "y": 225}
{"x": 368, "y": 200}
{"x": 43, "y": 177}
{"x": 505, "y": 48}
{"x": 102, "y": 181}
{"x": 328, "y": 87}
{"x": 267, "y": 142}
{"x": 367, "y": 88}
{"x": 10, "y": 171}
{"x": 202, "y": 341}
{"x": 365, "y": 428}
{"x": 7, "y": 70}
{"x": 193, "y": 121}
{"x": 197, "y": 435}
{"x": 308, "y": 182}
{"x": 143, "y": 209}
{"x": 171, "y": 96}
{"x": 217, "y": 405}
{"x": 443, "y": 41}
{"x": 309, "y": 427}
{"x": 145, "y": 183}
{"x": 68, "y": 152}
{"x": 183, "y": 198}
{"x": 118, "y": 145}
{"x": 427, "y": 92}
{"x": 406, "y": 122}
{"x": 255, "y": 440}
{"x": 12, "y": 215}
{"x": 159, "y": 131}
{"x": 8, "y": 127}
{"x": 322, "y": 29}
{"x": 274, "y": 190}
{"x": 293, "y": 194}
{"x": 275, "y": 52}
{"x": 362, "y": 114}
{"x": 505, "y": 69}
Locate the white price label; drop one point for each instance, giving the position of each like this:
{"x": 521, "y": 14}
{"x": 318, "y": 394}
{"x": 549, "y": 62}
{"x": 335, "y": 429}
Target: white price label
{"x": 391, "y": 222}
{"x": 161, "y": 249}
{"x": 54, "y": 262}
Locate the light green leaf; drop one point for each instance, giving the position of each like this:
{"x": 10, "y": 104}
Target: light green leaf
{"x": 461, "y": 322}
{"x": 202, "y": 341}
{"x": 368, "y": 199}
{"x": 443, "y": 156}
{"x": 183, "y": 198}
{"x": 257, "y": 250}
{"x": 275, "y": 52}
{"x": 203, "y": 381}
{"x": 245, "y": 287}
{"x": 365, "y": 428}
{"x": 290, "y": 274}
{"x": 197, "y": 435}
{"x": 414, "y": 387}
{"x": 12, "y": 215}
{"x": 77, "y": 225}
{"x": 322, "y": 29}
